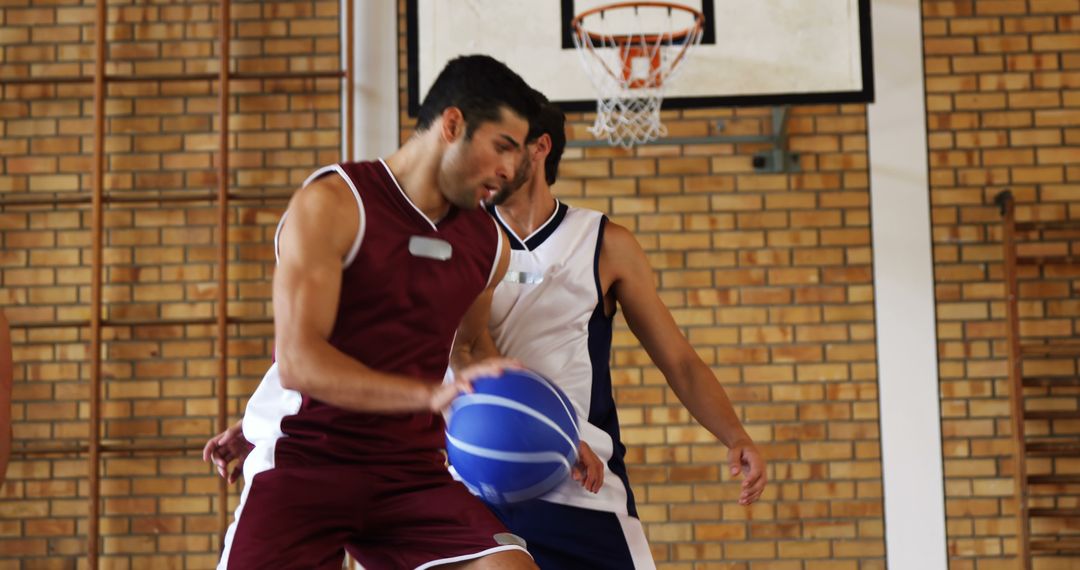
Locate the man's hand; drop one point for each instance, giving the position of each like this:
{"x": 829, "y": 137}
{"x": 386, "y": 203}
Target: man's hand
{"x": 226, "y": 447}
{"x": 443, "y": 394}
{"x": 743, "y": 457}
{"x": 589, "y": 469}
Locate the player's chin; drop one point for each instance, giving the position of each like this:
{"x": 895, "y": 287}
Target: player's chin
{"x": 471, "y": 202}
{"x": 493, "y": 197}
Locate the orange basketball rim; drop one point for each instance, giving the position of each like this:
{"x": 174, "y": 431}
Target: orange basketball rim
{"x": 639, "y": 45}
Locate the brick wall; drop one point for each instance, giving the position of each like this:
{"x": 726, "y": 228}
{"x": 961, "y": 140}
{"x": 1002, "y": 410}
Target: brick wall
{"x": 768, "y": 274}
{"x": 159, "y": 509}
{"x": 1003, "y": 103}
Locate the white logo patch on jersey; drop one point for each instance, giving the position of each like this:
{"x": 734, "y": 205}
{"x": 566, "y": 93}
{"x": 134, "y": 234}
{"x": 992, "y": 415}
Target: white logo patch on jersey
{"x": 431, "y": 248}
{"x": 523, "y": 277}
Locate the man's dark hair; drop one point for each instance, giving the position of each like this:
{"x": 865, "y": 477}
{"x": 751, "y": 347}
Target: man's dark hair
{"x": 552, "y": 122}
{"x": 480, "y": 86}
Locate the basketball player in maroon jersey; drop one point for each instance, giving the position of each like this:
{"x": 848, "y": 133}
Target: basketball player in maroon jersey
{"x": 379, "y": 263}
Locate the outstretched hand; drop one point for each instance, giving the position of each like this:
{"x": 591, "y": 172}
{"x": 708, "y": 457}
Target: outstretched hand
{"x": 589, "y": 469}
{"x": 227, "y": 447}
{"x": 744, "y": 457}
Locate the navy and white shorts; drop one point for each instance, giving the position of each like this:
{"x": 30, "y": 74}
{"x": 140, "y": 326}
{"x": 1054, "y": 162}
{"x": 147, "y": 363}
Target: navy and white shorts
{"x": 561, "y": 537}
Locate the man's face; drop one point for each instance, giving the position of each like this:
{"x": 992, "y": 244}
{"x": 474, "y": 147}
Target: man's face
{"x": 479, "y": 168}
{"x": 523, "y": 174}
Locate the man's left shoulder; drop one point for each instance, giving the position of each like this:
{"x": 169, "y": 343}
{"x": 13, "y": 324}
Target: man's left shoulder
{"x": 584, "y": 214}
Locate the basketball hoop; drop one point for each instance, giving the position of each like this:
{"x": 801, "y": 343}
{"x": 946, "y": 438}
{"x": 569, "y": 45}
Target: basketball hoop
{"x": 630, "y": 50}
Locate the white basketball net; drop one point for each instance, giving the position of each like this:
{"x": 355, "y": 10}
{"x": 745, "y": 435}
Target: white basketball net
{"x": 630, "y": 65}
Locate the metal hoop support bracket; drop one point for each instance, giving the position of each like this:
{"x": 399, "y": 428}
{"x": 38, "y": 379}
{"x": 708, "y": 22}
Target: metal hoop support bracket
{"x": 776, "y": 160}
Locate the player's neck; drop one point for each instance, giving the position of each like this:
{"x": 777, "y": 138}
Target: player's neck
{"x": 416, "y": 168}
{"x": 528, "y": 208}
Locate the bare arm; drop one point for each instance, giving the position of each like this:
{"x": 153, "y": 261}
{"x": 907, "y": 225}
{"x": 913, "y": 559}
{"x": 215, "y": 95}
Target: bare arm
{"x": 473, "y": 342}
{"x": 623, "y": 264}
{"x": 6, "y": 373}
{"x": 322, "y": 223}
{"x": 474, "y": 353}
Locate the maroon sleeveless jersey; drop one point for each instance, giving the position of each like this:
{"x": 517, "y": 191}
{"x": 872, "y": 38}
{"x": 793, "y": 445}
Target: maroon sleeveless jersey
{"x": 400, "y": 305}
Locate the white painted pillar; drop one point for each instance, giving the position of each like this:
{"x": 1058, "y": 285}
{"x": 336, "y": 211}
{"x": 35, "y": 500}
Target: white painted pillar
{"x": 375, "y": 37}
{"x": 904, "y": 293}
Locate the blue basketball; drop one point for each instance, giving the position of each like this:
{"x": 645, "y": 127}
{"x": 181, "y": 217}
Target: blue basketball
{"x": 513, "y": 439}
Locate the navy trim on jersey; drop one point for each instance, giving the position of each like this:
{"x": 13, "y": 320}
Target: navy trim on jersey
{"x": 539, "y": 236}
{"x": 515, "y": 241}
{"x": 596, "y": 260}
{"x": 602, "y": 412}
{"x": 561, "y": 537}
{"x": 547, "y": 229}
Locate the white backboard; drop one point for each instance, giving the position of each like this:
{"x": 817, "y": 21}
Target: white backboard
{"x": 754, "y": 52}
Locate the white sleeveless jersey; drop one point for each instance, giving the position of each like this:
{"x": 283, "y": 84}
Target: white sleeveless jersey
{"x": 548, "y": 312}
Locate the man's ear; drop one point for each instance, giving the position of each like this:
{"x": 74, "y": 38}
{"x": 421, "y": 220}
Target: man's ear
{"x": 453, "y": 124}
{"x": 543, "y": 145}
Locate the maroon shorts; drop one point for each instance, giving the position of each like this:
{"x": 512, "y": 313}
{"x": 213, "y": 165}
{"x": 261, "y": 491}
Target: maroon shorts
{"x": 307, "y": 517}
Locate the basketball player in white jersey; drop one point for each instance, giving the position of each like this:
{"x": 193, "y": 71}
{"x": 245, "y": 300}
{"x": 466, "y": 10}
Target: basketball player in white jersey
{"x": 570, "y": 268}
